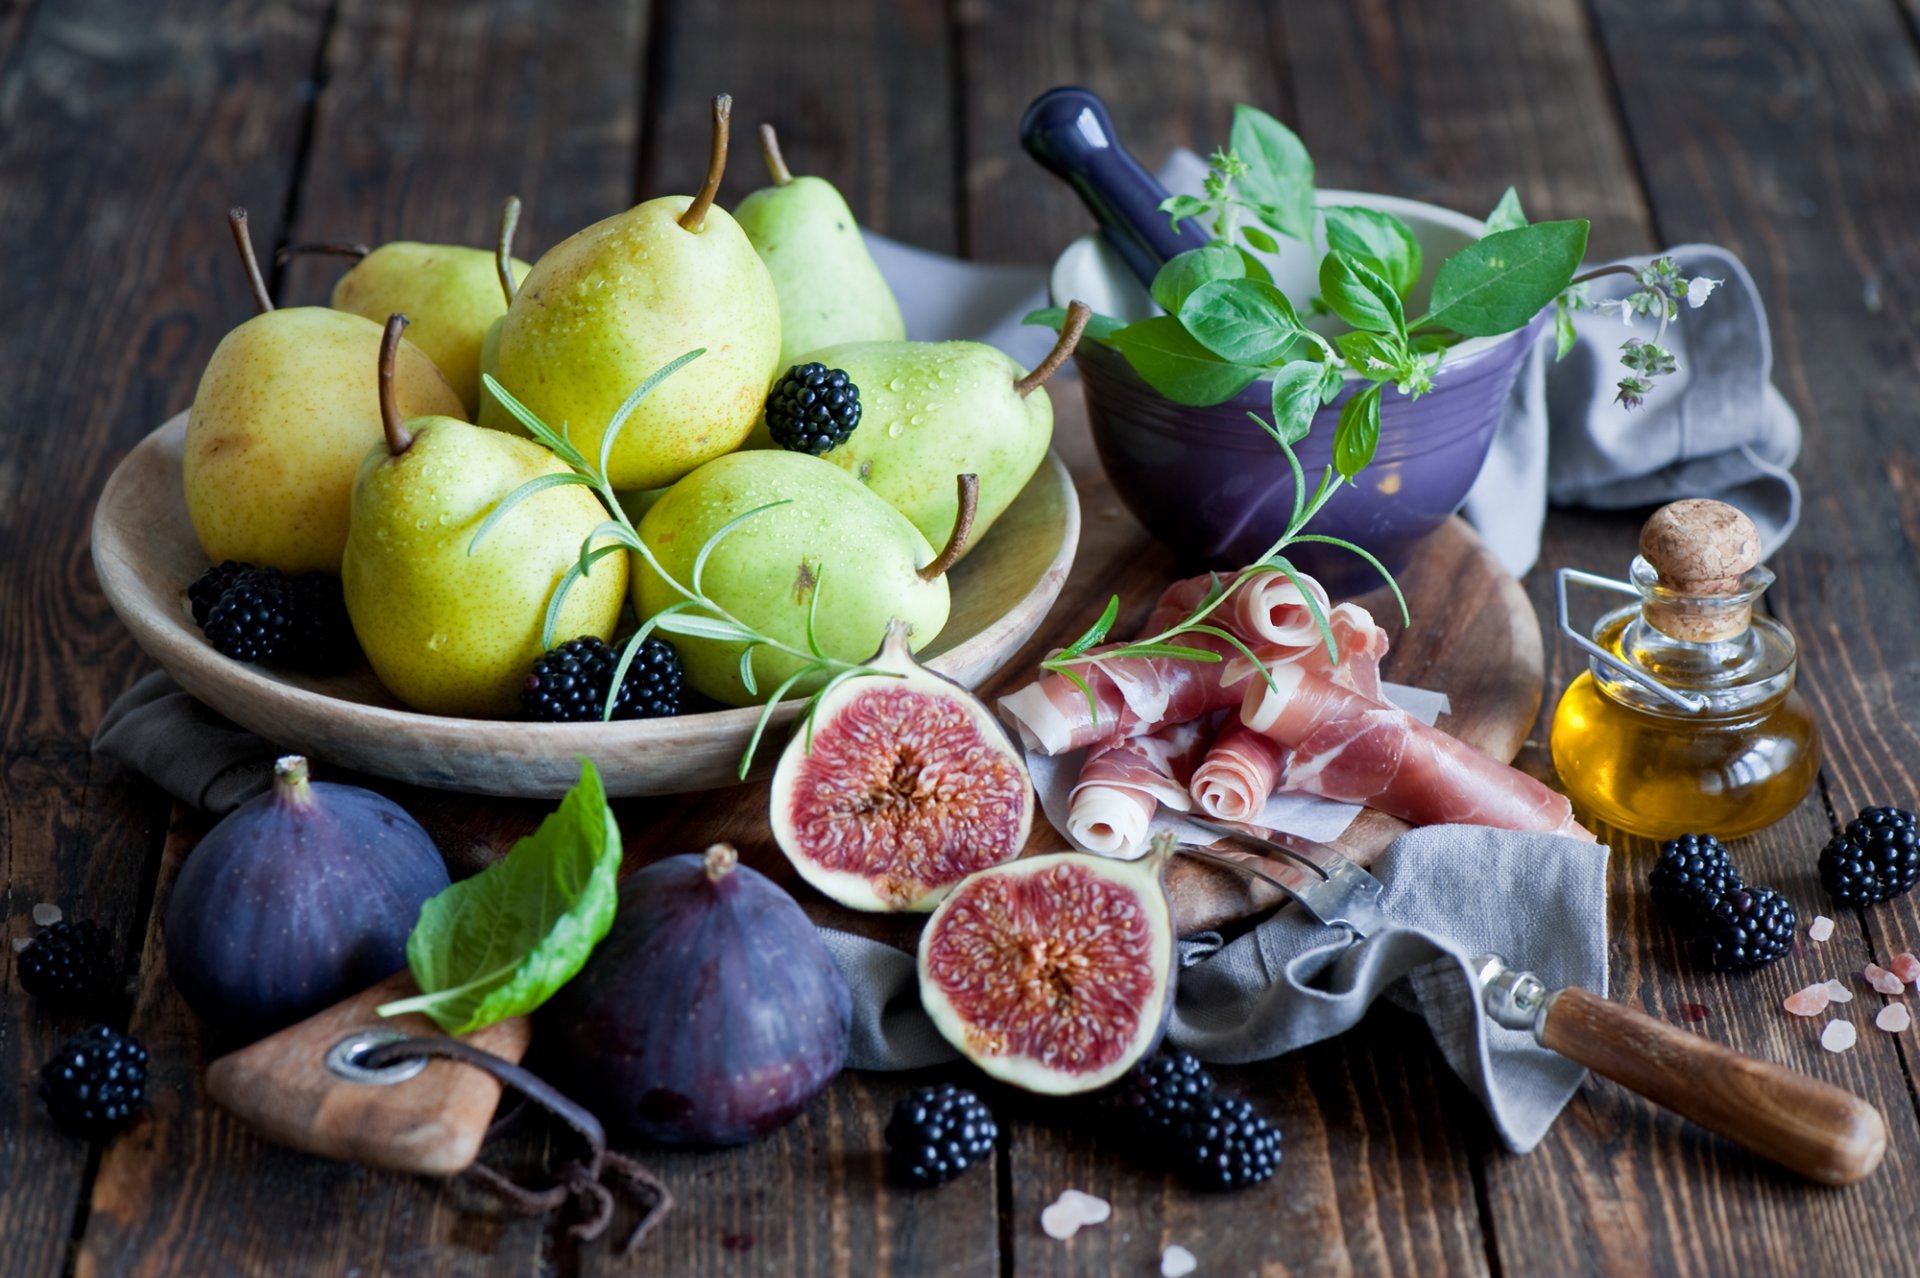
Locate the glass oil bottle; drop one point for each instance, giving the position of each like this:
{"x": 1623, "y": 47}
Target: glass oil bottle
{"x": 1687, "y": 719}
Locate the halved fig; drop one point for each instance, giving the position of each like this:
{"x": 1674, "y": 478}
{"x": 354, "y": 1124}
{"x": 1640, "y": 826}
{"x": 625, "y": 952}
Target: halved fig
{"x": 1054, "y": 973}
{"x": 907, "y": 785}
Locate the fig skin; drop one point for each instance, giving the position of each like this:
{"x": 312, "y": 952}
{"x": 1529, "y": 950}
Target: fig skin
{"x": 712, "y": 1013}
{"x": 297, "y": 899}
{"x": 923, "y": 818}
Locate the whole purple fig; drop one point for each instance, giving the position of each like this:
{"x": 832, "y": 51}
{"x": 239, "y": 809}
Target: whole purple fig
{"x": 295, "y": 900}
{"x": 711, "y": 1014}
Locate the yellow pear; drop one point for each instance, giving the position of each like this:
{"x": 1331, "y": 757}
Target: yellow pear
{"x": 609, "y": 305}
{"x": 449, "y": 623}
{"x": 286, "y": 409}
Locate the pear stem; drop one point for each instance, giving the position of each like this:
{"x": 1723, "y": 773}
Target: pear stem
{"x": 770, "y": 152}
{"x": 503, "y": 248}
{"x": 243, "y": 240}
{"x": 969, "y": 487}
{"x": 1078, "y": 313}
{"x": 695, "y": 218}
{"x": 330, "y": 248}
{"x": 399, "y": 440}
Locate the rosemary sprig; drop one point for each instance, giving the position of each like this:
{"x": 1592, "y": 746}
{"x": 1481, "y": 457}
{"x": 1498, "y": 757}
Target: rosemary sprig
{"x": 695, "y": 614}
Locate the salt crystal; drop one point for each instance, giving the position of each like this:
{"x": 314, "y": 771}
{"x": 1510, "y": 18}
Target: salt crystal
{"x": 1810, "y": 1001}
{"x": 1820, "y": 929}
{"x": 1838, "y": 1036}
{"x": 1906, "y": 967}
{"x": 1177, "y": 1262}
{"x": 1093, "y": 1209}
{"x": 1893, "y": 1018}
{"x": 1060, "y": 1220}
{"x": 1884, "y": 981}
{"x": 46, "y": 914}
{"x": 1838, "y": 992}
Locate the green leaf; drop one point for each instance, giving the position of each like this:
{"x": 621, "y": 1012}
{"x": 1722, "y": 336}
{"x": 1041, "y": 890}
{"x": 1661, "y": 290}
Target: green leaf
{"x": 622, "y": 414}
{"x": 1405, "y": 616}
{"x": 1178, "y": 207}
{"x": 1259, "y": 239}
{"x": 1242, "y": 321}
{"x": 1236, "y": 641}
{"x": 1332, "y": 382}
{"x": 1379, "y": 241}
{"x": 1100, "y": 328}
{"x": 538, "y": 484}
{"x": 1506, "y": 215}
{"x": 746, "y": 672}
{"x": 1255, "y": 268}
{"x": 1189, "y": 270}
{"x": 574, "y": 572}
{"x": 1563, "y": 334}
{"x": 1279, "y": 177}
{"x": 1169, "y": 360}
{"x": 1296, "y": 398}
{"x": 500, "y": 943}
{"x": 813, "y": 609}
{"x": 1098, "y": 631}
{"x": 766, "y": 715}
{"x": 1358, "y": 433}
{"x": 1077, "y": 680}
{"x": 712, "y": 543}
{"x": 717, "y": 628}
{"x": 558, "y": 445}
{"x": 1313, "y": 605}
{"x": 1498, "y": 284}
{"x": 1358, "y": 295}
{"x": 1361, "y": 350}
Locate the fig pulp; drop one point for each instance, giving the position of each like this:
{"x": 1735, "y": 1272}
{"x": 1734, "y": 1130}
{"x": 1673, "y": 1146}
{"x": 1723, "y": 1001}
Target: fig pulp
{"x": 711, "y": 1014}
{"x": 905, "y": 785}
{"x": 295, "y": 900}
{"x": 1054, "y": 973}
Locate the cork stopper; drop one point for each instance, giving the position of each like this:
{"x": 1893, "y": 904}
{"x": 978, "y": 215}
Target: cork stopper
{"x": 1702, "y": 551}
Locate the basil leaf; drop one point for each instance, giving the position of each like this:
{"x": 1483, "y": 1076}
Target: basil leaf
{"x": 1169, "y": 360}
{"x": 1278, "y": 182}
{"x": 1379, "y": 241}
{"x": 1563, "y": 334}
{"x": 500, "y": 943}
{"x": 1242, "y": 321}
{"x": 1359, "y": 296}
{"x": 1361, "y": 350}
{"x": 1255, "y": 268}
{"x": 1358, "y": 433}
{"x": 1506, "y": 215}
{"x": 1497, "y": 284}
{"x": 1259, "y": 239}
{"x": 1296, "y": 398}
{"x": 1332, "y": 382}
{"x": 1177, "y": 207}
{"x": 1189, "y": 270}
{"x": 1100, "y": 328}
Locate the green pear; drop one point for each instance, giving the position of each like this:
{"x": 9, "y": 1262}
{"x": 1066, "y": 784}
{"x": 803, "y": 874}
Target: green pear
{"x": 611, "y": 304}
{"x": 451, "y": 292}
{"x": 451, "y": 626}
{"x": 828, "y": 537}
{"x": 830, "y": 291}
{"x": 931, "y": 410}
{"x": 286, "y": 408}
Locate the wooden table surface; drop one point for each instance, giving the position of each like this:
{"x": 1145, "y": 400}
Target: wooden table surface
{"x": 1782, "y": 129}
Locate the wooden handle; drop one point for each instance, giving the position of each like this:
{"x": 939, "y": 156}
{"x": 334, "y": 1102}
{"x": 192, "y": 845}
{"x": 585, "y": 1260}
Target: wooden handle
{"x": 1815, "y": 1128}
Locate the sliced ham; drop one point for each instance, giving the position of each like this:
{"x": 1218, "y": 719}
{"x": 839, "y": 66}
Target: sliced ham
{"x": 1240, "y": 771}
{"x": 1350, "y": 748}
{"x": 1124, "y": 781}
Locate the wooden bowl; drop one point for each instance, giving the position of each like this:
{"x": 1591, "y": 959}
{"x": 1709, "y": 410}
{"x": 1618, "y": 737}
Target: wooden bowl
{"x": 146, "y": 554}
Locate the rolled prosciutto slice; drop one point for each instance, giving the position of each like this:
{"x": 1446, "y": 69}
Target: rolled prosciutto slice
{"x": 1240, "y": 771}
{"x": 1124, "y": 781}
{"x": 1350, "y": 748}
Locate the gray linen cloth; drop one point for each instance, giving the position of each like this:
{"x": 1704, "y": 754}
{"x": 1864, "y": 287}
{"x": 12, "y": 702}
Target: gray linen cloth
{"x": 1453, "y": 892}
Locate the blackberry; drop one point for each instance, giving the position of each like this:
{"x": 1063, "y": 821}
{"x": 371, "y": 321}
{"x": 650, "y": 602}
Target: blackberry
{"x": 812, "y": 409}
{"x": 569, "y": 683}
{"x": 96, "y": 1082}
{"x": 1876, "y": 859}
{"x": 70, "y": 965}
{"x": 205, "y": 592}
{"x": 321, "y": 636}
{"x": 1162, "y": 1091}
{"x": 251, "y": 619}
{"x": 1224, "y": 1144}
{"x": 1748, "y": 927}
{"x": 938, "y": 1132}
{"x": 1692, "y": 874}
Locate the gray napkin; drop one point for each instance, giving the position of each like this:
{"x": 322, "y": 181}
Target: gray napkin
{"x": 1453, "y": 892}
{"x": 1717, "y": 428}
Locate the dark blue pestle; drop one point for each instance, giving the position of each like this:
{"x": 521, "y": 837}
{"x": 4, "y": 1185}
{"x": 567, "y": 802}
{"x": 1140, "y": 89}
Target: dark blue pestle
{"x": 1070, "y": 133}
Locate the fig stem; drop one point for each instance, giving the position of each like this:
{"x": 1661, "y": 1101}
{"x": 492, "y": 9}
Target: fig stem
{"x": 969, "y": 489}
{"x": 719, "y": 861}
{"x": 695, "y": 218}
{"x": 399, "y": 440}
{"x": 503, "y": 247}
{"x": 243, "y": 240}
{"x": 770, "y": 152}
{"x": 1078, "y": 313}
{"x": 290, "y": 780}
{"x": 329, "y": 248}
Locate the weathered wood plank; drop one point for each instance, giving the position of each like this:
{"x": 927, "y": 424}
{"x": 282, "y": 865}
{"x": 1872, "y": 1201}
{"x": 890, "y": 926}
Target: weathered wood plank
{"x": 114, "y": 234}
